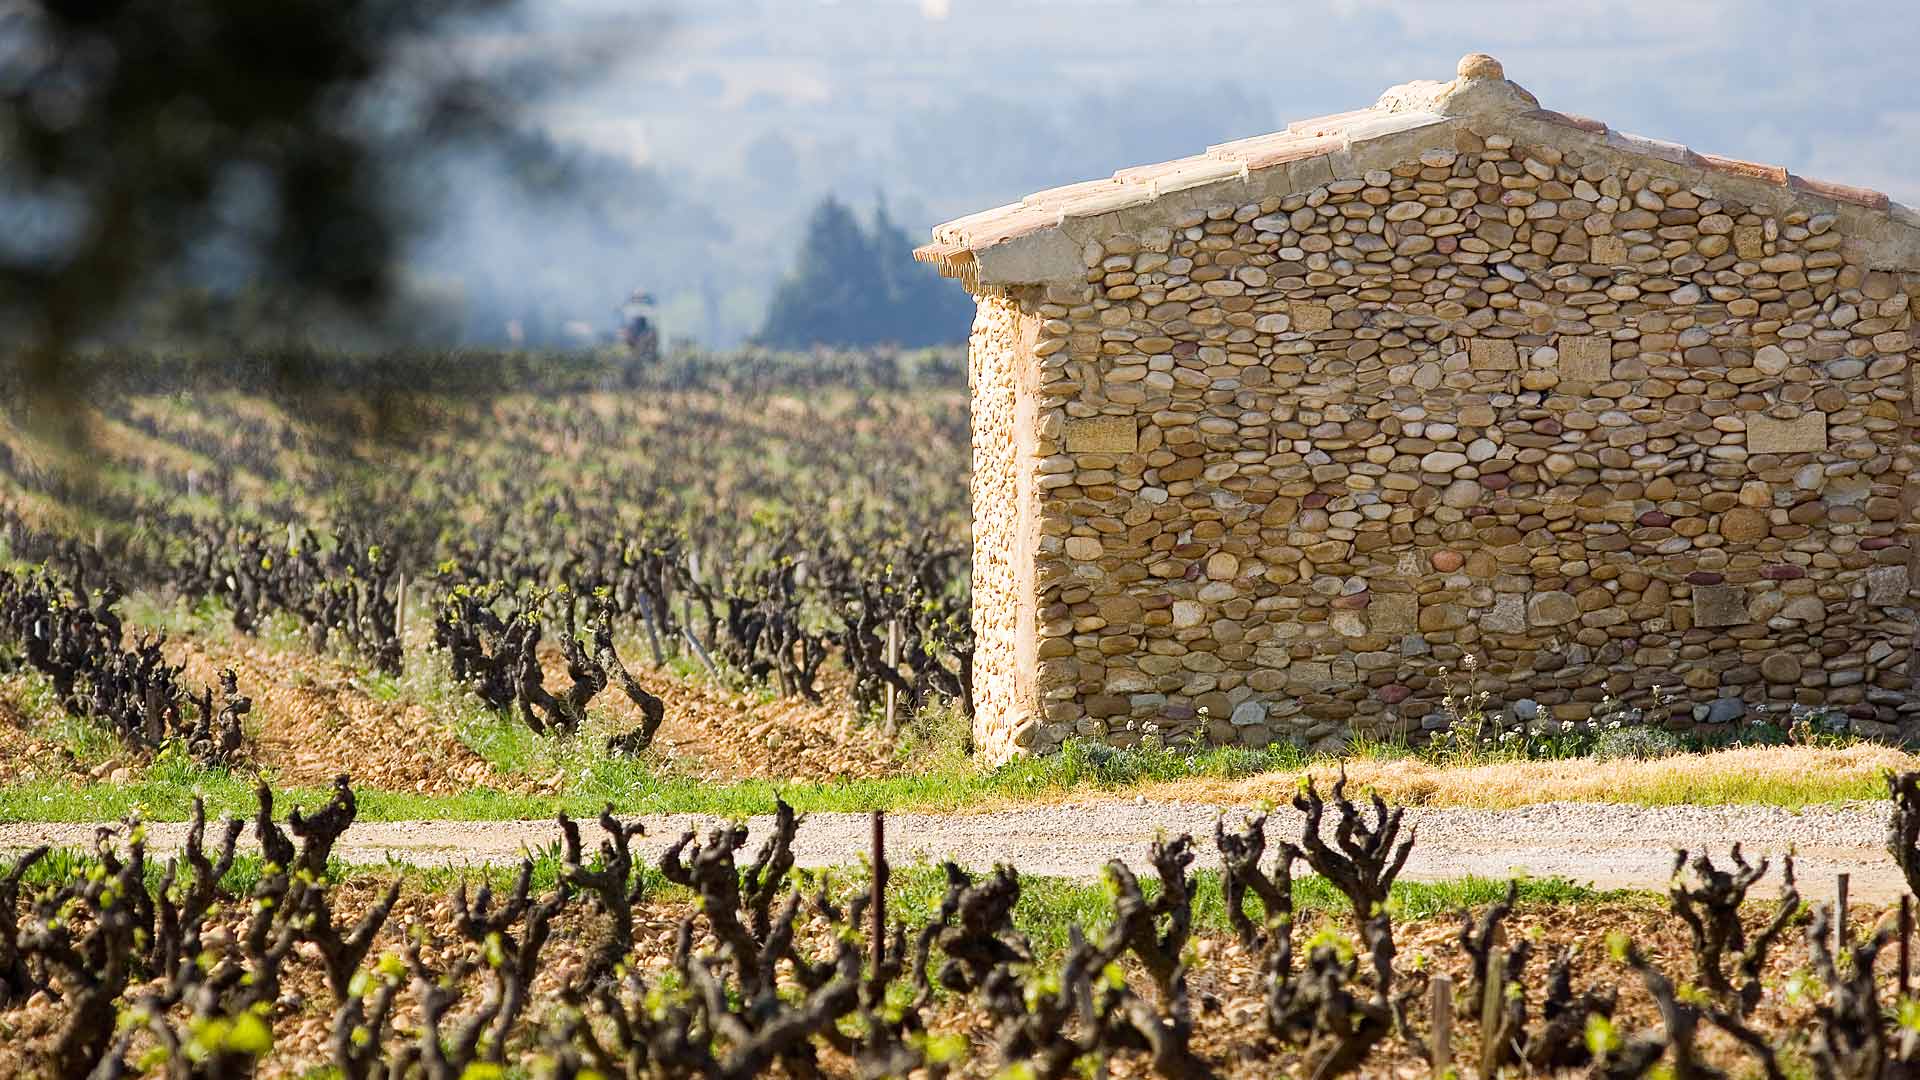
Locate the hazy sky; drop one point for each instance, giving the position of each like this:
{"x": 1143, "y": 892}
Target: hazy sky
{"x": 747, "y": 112}
{"x": 1827, "y": 89}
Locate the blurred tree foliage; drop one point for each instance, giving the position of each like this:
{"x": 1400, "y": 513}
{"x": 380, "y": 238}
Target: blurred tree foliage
{"x": 857, "y": 285}
{"x": 148, "y": 145}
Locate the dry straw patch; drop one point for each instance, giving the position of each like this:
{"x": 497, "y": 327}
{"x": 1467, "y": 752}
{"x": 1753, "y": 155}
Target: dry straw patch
{"x": 1776, "y": 775}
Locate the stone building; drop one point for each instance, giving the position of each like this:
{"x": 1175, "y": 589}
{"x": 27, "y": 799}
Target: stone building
{"x": 1265, "y": 436}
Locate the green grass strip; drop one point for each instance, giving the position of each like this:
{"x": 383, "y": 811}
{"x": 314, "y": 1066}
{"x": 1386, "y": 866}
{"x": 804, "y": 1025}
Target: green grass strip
{"x": 166, "y": 792}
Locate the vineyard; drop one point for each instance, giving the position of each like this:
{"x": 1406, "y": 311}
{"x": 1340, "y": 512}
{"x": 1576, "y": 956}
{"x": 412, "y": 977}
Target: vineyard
{"x": 712, "y": 963}
{"x": 597, "y": 553}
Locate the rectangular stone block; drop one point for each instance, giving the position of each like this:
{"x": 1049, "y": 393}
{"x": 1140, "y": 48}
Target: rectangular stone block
{"x": 1103, "y": 435}
{"x": 1310, "y": 675}
{"x": 1311, "y": 317}
{"x": 1888, "y": 586}
{"x": 1749, "y": 241}
{"x": 1804, "y": 434}
{"x": 1492, "y": 354}
{"x": 1719, "y": 605}
{"x": 1586, "y": 358}
{"x": 1393, "y": 613}
{"x": 1609, "y": 250}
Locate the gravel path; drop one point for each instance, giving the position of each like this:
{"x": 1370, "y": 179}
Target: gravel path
{"x": 1610, "y": 846}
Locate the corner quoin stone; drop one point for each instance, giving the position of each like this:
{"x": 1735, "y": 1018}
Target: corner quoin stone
{"x": 1103, "y": 435}
{"x": 1805, "y": 434}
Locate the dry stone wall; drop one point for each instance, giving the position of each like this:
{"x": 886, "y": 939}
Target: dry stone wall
{"x": 1587, "y": 423}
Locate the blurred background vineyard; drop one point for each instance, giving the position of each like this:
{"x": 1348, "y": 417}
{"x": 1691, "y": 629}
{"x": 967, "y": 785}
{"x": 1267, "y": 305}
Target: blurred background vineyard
{"x": 408, "y": 558}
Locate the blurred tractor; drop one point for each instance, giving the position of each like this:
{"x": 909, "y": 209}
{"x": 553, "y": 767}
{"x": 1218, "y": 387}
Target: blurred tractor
{"x": 637, "y": 330}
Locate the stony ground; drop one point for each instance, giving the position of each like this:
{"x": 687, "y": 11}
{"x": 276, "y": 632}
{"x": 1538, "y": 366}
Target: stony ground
{"x": 1610, "y": 846}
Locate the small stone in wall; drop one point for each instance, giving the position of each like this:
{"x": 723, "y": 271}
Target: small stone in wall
{"x": 1084, "y": 548}
{"x": 1726, "y": 710}
{"x": 1103, "y": 435}
{"x": 1806, "y": 433}
{"x": 1552, "y": 609}
{"x": 1743, "y": 525}
{"x": 1719, "y": 605}
{"x": 1771, "y": 360}
{"x": 1781, "y": 669}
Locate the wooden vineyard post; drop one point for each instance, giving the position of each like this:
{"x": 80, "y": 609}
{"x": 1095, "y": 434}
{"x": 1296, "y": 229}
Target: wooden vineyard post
{"x": 1840, "y": 918}
{"x": 400, "y": 615}
{"x": 1906, "y": 932}
{"x": 878, "y": 947}
{"x": 893, "y": 664}
{"x": 1440, "y": 1008}
{"x": 700, "y": 651}
{"x": 648, "y": 617}
{"x": 1491, "y": 1012}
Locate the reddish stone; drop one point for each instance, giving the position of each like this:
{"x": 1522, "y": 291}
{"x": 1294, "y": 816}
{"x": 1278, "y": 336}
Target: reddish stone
{"x": 1705, "y": 577}
{"x": 1448, "y": 561}
{"x": 1314, "y": 500}
{"x": 1548, "y": 426}
{"x": 1394, "y": 693}
{"x": 1193, "y": 572}
{"x": 1186, "y": 350}
{"x": 1654, "y": 519}
{"x": 1498, "y": 481}
{"x": 1878, "y": 543}
{"x": 1353, "y": 603}
{"x": 1178, "y": 714}
{"x": 1783, "y": 572}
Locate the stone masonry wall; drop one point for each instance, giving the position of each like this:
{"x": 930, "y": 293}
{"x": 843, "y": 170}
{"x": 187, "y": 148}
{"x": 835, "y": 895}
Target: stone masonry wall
{"x": 1588, "y": 424}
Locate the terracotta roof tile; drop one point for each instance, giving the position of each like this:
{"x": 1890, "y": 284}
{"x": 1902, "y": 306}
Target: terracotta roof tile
{"x": 1326, "y": 125}
{"x": 1280, "y": 153}
{"x": 1067, "y": 193}
{"x": 1859, "y": 196}
{"x": 1159, "y": 168}
{"x": 998, "y": 225}
{"x": 1751, "y": 170}
{"x": 1117, "y": 197}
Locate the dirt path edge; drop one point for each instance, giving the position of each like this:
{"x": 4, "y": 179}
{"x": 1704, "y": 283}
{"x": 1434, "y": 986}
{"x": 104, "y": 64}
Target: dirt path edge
{"x": 1607, "y": 846}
